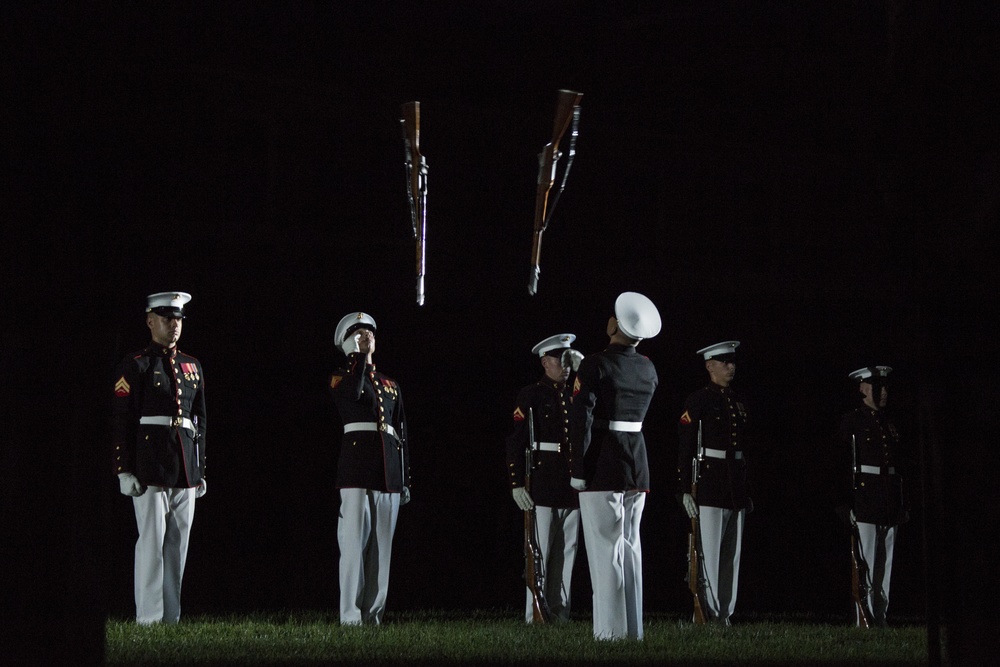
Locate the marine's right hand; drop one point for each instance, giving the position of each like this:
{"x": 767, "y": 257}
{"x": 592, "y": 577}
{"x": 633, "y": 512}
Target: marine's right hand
{"x": 690, "y": 506}
{"x": 129, "y": 485}
{"x": 522, "y": 498}
{"x": 350, "y": 345}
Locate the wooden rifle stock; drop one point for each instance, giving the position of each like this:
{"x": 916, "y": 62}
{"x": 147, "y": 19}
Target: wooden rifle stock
{"x": 567, "y": 112}
{"x": 695, "y": 576}
{"x": 859, "y": 567}
{"x": 533, "y": 574}
{"x": 534, "y": 568}
{"x": 416, "y": 186}
{"x": 859, "y": 582}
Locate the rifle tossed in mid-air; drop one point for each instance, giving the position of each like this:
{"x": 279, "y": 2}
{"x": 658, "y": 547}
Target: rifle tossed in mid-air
{"x": 416, "y": 187}
{"x": 567, "y": 112}
{"x": 534, "y": 567}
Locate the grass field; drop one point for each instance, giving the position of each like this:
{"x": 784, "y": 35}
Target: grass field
{"x": 496, "y": 638}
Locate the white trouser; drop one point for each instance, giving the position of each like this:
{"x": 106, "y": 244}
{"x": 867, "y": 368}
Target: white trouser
{"x": 878, "y": 555}
{"x": 611, "y": 532}
{"x": 721, "y": 542}
{"x": 364, "y": 533}
{"x": 163, "y": 517}
{"x": 557, "y": 531}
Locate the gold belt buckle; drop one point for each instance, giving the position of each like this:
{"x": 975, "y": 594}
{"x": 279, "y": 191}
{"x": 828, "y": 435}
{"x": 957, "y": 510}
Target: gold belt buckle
{"x": 383, "y": 427}
{"x": 177, "y": 422}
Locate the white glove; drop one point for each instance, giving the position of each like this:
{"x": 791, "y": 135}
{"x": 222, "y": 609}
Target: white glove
{"x": 571, "y": 359}
{"x": 404, "y": 497}
{"x": 578, "y": 484}
{"x": 201, "y": 489}
{"x": 690, "y": 506}
{"x": 129, "y": 485}
{"x": 351, "y": 345}
{"x": 522, "y": 498}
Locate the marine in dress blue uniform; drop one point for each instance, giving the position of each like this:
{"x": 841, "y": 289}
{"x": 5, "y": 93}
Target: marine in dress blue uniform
{"x": 556, "y": 505}
{"x": 372, "y": 471}
{"x": 611, "y": 394}
{"x": 712, "y": 428}
{"x": 158, "y": 433}
{"x": 873, "y": 492}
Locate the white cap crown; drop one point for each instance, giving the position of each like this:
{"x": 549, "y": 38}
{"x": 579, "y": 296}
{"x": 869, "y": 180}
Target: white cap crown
{"x": 350, "y": 321}
{"x": 726, "y": 348}
{"x": 637, "y": 317}
{"x": 866, "y": 373}
{"x": 557, "y": 342}
{"x": 167, "y": 303}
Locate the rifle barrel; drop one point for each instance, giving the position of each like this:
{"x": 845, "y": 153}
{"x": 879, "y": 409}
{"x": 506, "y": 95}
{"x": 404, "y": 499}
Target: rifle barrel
{"x": 567, "y": 104}
{"x": 416, "y": 166}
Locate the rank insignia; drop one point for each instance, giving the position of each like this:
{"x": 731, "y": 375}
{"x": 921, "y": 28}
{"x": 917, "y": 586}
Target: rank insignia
{"x": 576, "y": 385}
{"x": 335, "y": 380}
{"x": 122, "y": 387}
{"x": 518, "y": 415}
{"x": 686, "y": 417}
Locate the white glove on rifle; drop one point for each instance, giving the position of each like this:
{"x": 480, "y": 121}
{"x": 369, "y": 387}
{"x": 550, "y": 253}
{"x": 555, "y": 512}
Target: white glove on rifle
{"x": 572, "y": 359}
{"x": 129, "y": 485}
{"x": 351, "y": 345}
{"x": 201, "y": 489}
{"x": 578, "y": 484}
{"x": 404, "y": 496}
{"x": 690, "y": 506}
{"x": 522, "y": 498}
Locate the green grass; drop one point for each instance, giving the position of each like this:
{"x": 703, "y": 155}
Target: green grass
{"x": 499, "y": 638}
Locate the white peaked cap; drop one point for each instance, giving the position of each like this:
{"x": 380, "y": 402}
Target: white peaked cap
{"x": 349, "y": 321}
{"x": 863, "y": 374}
{"x": 163, "y": 303}
{"x": 719, "y": 349}
{"x": 637, "y": 317}
{"x": 559, "y": 341}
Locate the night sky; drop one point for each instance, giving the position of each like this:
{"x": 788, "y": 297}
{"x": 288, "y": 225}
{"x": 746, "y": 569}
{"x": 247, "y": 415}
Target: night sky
{"x": 819, "y": 183}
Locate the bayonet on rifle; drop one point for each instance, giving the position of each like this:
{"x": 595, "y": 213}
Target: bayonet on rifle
{"x": 567, "y": 112}
{"x": 416, "y": 187}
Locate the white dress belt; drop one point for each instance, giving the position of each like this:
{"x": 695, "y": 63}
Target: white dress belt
{"x": 632, "y": 427}
{"x": 370, "y": 426}
{"x": 168, "y": 421}
{"x": 876, "y": 470}
{"x": 722, "y": 453}
{"x": 548, "y": 446}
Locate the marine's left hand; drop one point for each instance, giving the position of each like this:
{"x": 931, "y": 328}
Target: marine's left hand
{"x": 404, "y": 496}
{"x": 201, "y": 489}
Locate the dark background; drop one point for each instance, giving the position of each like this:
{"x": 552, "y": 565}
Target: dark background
{"x": 817, "y": 180}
